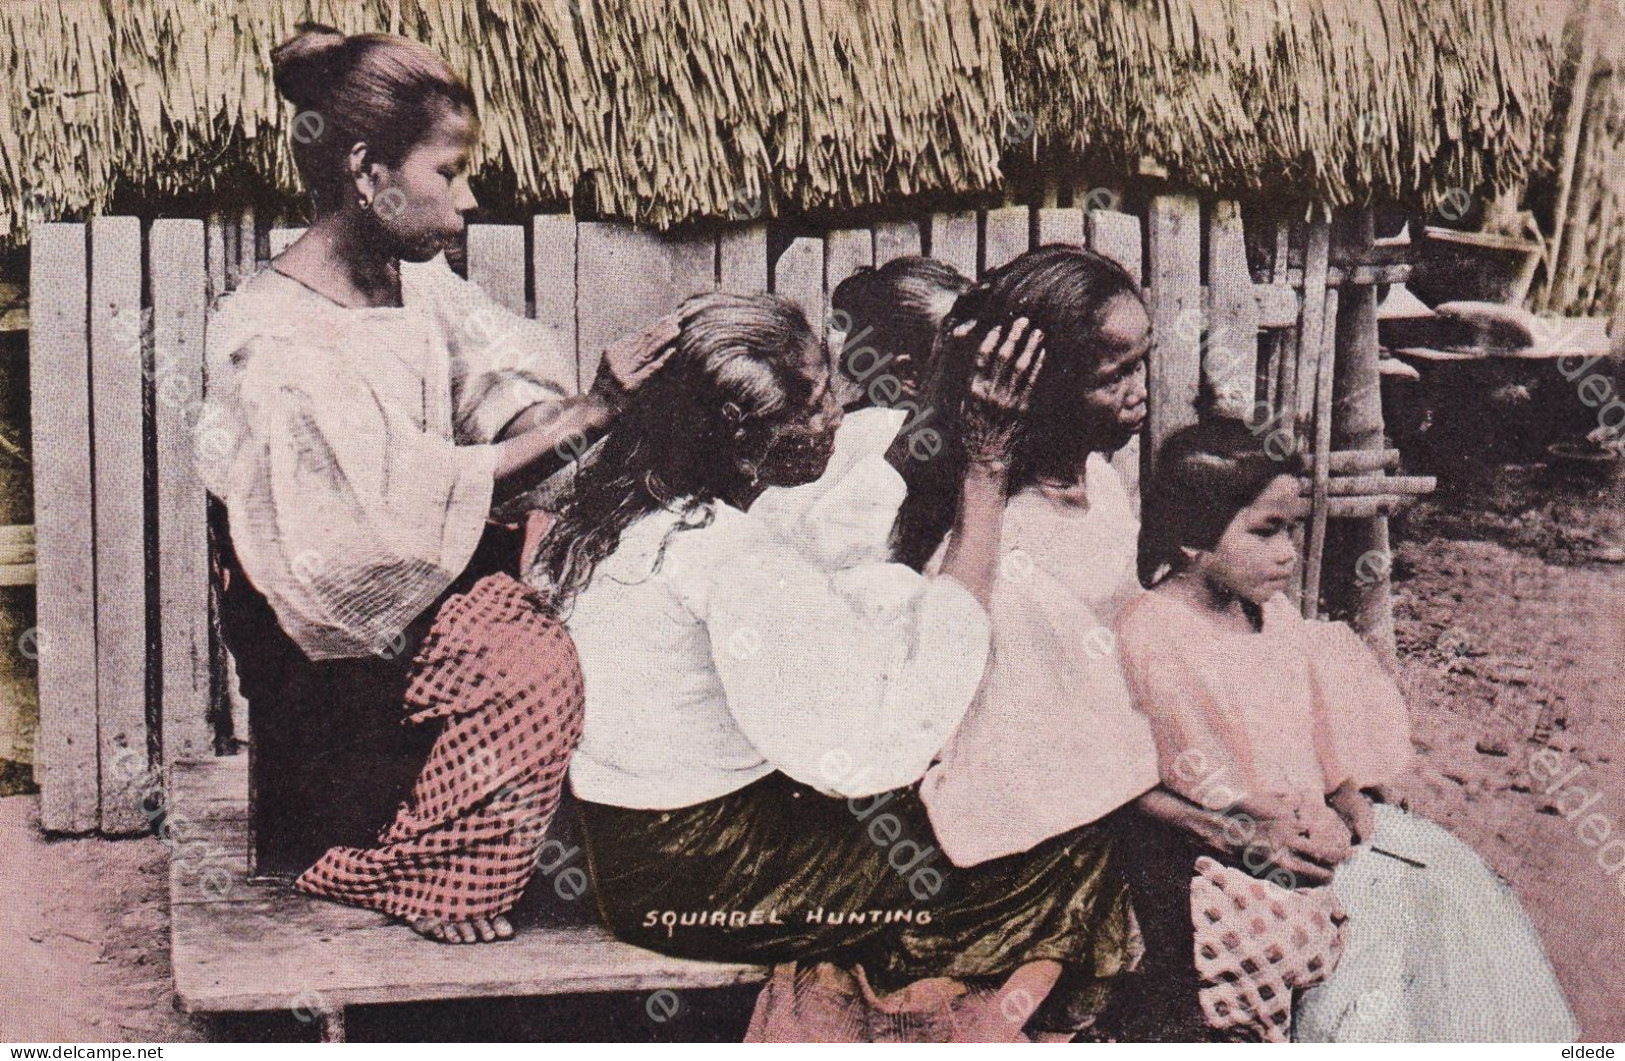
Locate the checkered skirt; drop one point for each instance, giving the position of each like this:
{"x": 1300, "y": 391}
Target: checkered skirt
{"x": 502, "y": 676}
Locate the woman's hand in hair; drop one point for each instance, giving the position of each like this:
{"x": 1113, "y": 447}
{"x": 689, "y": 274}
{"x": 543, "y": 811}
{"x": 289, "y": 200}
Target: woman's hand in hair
{"x": 1007, "y": 365}
{"x": 631, "y": 361}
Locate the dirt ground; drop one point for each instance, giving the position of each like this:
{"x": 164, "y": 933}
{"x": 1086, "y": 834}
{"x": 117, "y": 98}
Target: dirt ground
{"x": 1512, "y": 637}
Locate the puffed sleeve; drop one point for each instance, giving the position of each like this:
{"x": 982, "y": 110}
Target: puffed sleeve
{"x": 1188, "y": 720}
{"x": 1362, "y": 725}
{"x": 849, "y": 680}
{"x": 348, "y": 516}
{"x": 501, "y": 363}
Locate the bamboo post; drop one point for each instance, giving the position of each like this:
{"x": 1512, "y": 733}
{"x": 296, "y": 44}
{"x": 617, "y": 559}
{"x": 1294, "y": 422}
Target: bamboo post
{"x": 1574, "y": 124}
{"x": 1322, "y": 460}
{"x": 1358, "y": 425}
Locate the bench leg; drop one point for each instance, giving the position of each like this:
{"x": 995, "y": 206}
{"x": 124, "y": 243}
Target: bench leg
{"x": 332, "y": 1026}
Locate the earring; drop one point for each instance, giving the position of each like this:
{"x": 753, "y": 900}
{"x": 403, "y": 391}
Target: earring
{"x": 363, "y": 202}
{"x": 751, "y": 471}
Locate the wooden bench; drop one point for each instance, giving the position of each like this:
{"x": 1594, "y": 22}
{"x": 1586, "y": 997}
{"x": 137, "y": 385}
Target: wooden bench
{"x": 243, "y": 945}
{"x": 123, "y": 569}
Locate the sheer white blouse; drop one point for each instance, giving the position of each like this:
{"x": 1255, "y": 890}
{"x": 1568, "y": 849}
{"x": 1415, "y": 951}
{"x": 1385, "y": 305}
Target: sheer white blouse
{"x": 717, "y": 652}
{"x": 351, "y": 447}
{"x": 1053, "y": 740}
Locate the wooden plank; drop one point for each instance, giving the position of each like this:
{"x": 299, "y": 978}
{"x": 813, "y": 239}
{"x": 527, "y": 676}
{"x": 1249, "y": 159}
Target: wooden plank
{"x": 1373, "y": 485}
{"x": 59, "y": 373}
{"x": 245, "y": 956}
{"x": 1174, "y": 370}
{"x": 1230, "y": 354}
{"x": 1361, "y": 461}
{"x": 17, "y": 544}
{"x": 1117, "y": 236}
{"x": 1359, "y": 426}
{"x": 117, "y": 368}
{"x": 496, "y": 262}
{"x": 281, "y": 239}
{"x": 846, "y": 250}
{"x": 231, "y": 261}
{"x": 742, "y": 259}
{"x": 896, "y": 239}
{"x": 214, "y": 254}
{"x": 1005, "y": 236}
{"x": 238, "y": 945}
{"x": 628, "y": 278}
{"x": 1298, "y": 398}
{"x": 553, "y": 265}
{"x": 1277, "y": 305}
{"x": 953, "y": 240}
{"x": 799, "y": 276}
{"x": 247, "y": 245}
{"x": 1380, "y": 508}
{"x": 1060, "y": 224}
{"x": 18, "y": 574}
{"x": 1322, "y": 454}
{"x": 175, "y": 263}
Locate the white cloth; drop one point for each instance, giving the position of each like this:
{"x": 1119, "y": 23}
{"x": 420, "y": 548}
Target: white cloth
{"x": 1053, "y": 740}
{"x": 351, "y": 446}
{"x": 717, "y": 653}
{"x": 1436, "y": 953}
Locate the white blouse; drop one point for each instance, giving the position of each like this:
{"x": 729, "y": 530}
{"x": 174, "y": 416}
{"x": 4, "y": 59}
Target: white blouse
{"x": 718, "y": 652}
{"x": 351, "y": 447}
{"x": 1053, "y": 740}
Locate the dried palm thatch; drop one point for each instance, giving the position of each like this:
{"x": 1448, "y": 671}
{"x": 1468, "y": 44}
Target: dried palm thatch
{"x": 693, "y": 108}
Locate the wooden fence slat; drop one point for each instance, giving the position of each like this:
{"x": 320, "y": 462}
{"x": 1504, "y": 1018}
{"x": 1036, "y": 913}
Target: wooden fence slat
{"x": 1174, "y": 369}
{"x": 953, "y": 240}
{"x": 553, "y": 263}
{"x": 214, "y": 256}
{"x": 231, "y": 265}
{"x": 247, "y": 245}
{"x": 1299, "y": 397}
{"x": 1006, "y": 235}
{"x": 1230, "y": 355}
{"x": 175, "y": 263}
{"x": 1117, "y": 236}
{"x": 628, "y": 278}
{"x": 846, "y": 250}
{"x": 280, "y": 239}
{"x": 896, "y": 239}
{"x": 1315, "y": 553}
{"x": 116, "y": 373}
{"x": 742, "y": 259}
{"x": 799, "y": 277}
{"x": 496, "y": 261}
{"x": 1060, "y": 224}
{"x": 59, "y": 373}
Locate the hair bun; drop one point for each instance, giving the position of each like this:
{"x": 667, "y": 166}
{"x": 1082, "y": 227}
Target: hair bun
{"x": 304, "y": 65}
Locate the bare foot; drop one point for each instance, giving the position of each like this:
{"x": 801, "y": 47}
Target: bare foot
{"x": 475, "y": 930}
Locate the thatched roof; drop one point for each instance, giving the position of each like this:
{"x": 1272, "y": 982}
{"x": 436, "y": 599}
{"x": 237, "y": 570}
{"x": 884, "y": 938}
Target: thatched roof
{"x": 691, "y": 108}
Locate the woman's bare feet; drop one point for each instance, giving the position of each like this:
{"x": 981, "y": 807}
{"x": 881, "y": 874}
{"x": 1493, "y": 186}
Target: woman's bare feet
{"x": 476, "y": 930}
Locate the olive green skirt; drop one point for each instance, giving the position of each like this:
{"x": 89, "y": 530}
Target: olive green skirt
{"x": 777, "y": 872}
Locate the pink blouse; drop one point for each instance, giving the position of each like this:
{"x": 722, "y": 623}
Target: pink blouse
{"x": 1287, "y": 713}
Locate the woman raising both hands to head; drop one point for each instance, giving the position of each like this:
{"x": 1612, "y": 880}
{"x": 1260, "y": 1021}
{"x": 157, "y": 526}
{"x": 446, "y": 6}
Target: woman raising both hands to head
{"x": 367, "y": 407}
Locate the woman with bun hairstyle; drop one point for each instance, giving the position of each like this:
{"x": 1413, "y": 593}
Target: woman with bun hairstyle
{"x": 888, "y": 317}
{"x": 366, "y": 409}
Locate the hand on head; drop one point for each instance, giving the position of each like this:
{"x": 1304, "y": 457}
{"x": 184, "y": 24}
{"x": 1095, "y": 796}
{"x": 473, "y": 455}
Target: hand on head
{"x": 1007, "y": 365}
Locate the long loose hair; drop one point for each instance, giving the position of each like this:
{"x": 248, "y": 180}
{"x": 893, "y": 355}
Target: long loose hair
{"x": 691, "y": 434}
{"x": 1063, "y": 291}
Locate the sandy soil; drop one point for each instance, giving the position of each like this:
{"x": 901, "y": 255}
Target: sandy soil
{"x": 1505, "y": 656}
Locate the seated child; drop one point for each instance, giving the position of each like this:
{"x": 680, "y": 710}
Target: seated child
{"x": 1264, "y": 716}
